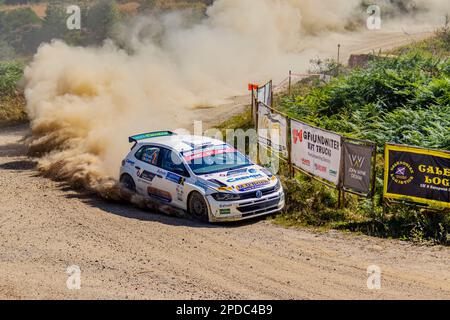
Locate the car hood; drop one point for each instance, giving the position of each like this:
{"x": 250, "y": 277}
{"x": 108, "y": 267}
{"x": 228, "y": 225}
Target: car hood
{"x": 240, "y": 180}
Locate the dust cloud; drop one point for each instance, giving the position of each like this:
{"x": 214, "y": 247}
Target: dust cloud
{"x": 83, "y": 103}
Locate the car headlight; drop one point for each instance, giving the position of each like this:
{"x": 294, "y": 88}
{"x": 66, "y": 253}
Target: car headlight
{"x": 278, "y": 186}
{"x": 226, "y": 196}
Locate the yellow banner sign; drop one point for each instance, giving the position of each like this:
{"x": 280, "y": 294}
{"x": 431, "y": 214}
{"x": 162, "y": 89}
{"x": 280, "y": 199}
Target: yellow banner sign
{"x": 417, "y": 175}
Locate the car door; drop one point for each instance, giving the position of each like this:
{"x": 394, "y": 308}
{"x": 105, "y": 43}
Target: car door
{"x": 175, "y": 176}
{"x": 150, "y": 177}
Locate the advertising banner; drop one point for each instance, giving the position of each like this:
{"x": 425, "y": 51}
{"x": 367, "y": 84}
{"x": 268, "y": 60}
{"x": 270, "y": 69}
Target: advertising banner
{"x": 358, "y": 167}
{"x": 264, "y": 94}
{"x": 316, "y": 151}
{"x": 272, "y": 130}
{"x": 417, "y": 175}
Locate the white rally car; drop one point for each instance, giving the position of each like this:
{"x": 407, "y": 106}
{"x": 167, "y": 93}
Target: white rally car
{"x": 209, "y": 179}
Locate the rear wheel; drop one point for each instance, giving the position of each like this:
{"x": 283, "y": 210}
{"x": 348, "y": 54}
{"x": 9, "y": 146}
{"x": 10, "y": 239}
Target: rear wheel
{"x": 198, "y": 208}
{"x": 127, "y": 182}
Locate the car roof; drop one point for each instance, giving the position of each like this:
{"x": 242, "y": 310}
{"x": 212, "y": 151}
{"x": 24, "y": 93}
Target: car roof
{"x": 182, "y": 143}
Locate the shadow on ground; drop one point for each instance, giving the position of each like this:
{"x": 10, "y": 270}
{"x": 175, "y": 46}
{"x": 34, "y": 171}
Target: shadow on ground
{"x": 13, "y": 150}
{"x": 18, "y": 165}
{"x": 130, "y": 211}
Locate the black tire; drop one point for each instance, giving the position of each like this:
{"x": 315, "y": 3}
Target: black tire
{"x": 127, "y": 182}
{"x": 197, "y": 207}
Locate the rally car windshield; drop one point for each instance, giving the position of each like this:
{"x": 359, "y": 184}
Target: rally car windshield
{"x": 216, "y": 159}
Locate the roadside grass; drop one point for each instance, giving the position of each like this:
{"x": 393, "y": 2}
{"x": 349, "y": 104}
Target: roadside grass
{"x": 12, "y": 110}
{"x": 240, "y": 121}
{"x": 12, "y": 100}
{"x": 437, "y": 46}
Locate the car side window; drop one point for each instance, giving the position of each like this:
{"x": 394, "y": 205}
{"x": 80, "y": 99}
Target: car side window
{"x": 149, "y": 154}
{"x": 170, "y": 161}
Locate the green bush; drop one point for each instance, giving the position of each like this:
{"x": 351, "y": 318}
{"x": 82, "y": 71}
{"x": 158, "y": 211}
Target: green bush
{"x": 14, "y": 19}
{"x": 404, "y": 100}
{"x": 6, "y": 51}
{"x": 18, "y": 28}
{"x": 102, "y": 18}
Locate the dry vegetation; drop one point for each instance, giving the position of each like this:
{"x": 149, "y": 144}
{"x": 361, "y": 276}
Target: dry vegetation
{"x": 12, "y": 100}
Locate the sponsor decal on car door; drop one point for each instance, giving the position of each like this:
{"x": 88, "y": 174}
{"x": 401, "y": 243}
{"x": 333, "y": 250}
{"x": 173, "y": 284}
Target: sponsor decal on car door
{"x": 146, "y": 169}
{"x": 153, "y": 182}
{"x": 172, "y": 184}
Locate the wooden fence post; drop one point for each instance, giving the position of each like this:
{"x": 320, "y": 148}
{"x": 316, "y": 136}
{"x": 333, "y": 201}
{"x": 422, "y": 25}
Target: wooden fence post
{"x": 289, "y": 145}
{"x": 253, "y": 107}
{"x": 339, "y": 53}
{"x": 290, "y": 82}
{"x": 374, "y": 179}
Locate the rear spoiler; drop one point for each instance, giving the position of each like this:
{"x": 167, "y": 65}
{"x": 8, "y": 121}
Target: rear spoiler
{"x": 150, "y": 135}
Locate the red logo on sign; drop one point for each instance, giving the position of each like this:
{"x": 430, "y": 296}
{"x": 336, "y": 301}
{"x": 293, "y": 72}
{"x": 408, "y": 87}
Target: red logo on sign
{"x": 321, "y": 168}
{"x": 306, "y": 162}
{"x": 298, "y": 136}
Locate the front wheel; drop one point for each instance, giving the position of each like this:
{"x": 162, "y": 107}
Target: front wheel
{"x": 198, "y": 208}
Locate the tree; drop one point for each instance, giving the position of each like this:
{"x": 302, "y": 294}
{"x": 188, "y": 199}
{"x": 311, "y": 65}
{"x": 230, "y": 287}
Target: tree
{"x": 55, "y": 20}
{"x": 17, "y": 18}
{"x": 147, "y": 6}
{"x": 102, "y": 18}
{"x": 18, "y": 28}
{"x": 6, "y": 51}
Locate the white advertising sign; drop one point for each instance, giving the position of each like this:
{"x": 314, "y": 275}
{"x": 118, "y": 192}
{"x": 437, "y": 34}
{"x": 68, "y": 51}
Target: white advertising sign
{"x": 316, "y": 151}
{"x": 264, "y": 94}
{"x": 272, "y": 130}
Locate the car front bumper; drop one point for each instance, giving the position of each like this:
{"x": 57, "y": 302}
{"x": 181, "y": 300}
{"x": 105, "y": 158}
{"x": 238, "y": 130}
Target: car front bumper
{"x": 223, "y": 211}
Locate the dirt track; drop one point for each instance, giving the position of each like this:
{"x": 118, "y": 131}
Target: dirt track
{"x": 124, "y": 252}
